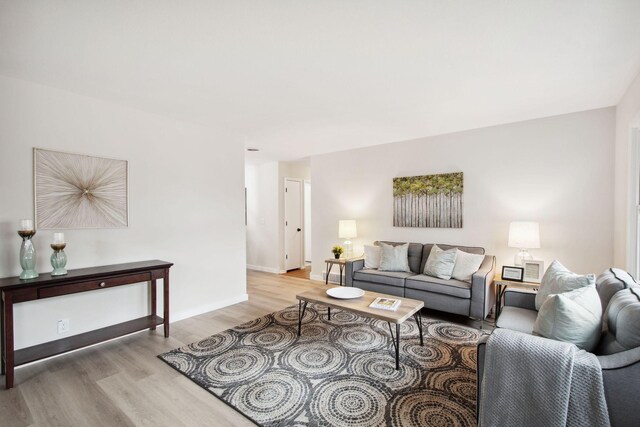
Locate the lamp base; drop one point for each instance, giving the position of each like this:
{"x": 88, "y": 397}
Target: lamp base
{"x": 348, "y": 249}
{"x": 522, "y": 256}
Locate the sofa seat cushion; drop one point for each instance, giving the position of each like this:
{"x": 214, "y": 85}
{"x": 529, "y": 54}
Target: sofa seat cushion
{"x": 452, "y": 287}
{"x": 517, "y": 319}
{"x": 391, "y": 278}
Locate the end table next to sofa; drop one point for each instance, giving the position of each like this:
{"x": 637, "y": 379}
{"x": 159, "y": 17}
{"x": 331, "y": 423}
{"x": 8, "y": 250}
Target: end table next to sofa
{"x": 341, "y": 262}
{"x": 503, "y": 284}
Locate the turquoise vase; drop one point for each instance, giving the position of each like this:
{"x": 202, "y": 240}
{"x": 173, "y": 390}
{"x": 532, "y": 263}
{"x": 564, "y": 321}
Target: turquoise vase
{"x": 58, "y": 260}
{"x": 28, "y": 256}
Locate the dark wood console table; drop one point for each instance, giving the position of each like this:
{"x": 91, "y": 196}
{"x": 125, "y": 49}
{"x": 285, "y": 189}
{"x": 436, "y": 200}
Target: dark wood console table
{"x": 14, "y": 290}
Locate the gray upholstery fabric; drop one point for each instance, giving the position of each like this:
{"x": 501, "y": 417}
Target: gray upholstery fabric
{"x": 426, "y": 250}
{"x": 455, "y": 288}
{"x": 391, "y": 278}
{"x": 476, "y": 304}
{"x": 608, "y": 345}
{"x": 523, "y": 298}
{"x": 483, "y": 292}
{"x": 414, "y": 253}
{"x": 350, "y": 268}
{"x": 623, "y": 320}
{"x": 440, "y": 302}
{"x": 517, "y": 319}
{"x": 612, "y": 281}
{"x": 377, "y": 287}
{"x": 621, "y": 377}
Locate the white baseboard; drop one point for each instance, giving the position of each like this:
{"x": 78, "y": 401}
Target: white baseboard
{"x": 333, "y": 278}
{"x": 185, "y": 314}
{"x": 265, "y": 269}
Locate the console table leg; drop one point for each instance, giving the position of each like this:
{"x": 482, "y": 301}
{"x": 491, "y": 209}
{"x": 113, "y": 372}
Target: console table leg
{"x": 7, "y": 326}
{"x": 2, "y": 344}
{"x": 152, "y": 295}
{"x": 165, "y": 286}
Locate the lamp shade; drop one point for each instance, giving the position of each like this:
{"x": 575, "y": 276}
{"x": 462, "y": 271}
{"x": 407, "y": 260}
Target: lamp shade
{"x": 524, "y": 235}
{"x": 347, "y": 229}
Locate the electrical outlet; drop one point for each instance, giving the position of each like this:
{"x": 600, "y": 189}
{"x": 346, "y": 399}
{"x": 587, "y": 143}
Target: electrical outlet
{"x": 63, "y": 326}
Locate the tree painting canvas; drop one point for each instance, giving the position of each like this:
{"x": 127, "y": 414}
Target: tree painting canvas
{"x": 78, "y": 191}
{"x": 433, "y": 201}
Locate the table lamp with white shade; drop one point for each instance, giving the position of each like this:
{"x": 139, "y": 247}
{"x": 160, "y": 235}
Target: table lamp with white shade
{"x": 347, "y": 230}
{"x": 524, "y": 235}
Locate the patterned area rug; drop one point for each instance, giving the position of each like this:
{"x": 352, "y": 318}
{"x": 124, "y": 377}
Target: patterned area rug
{"x": 339, "y": 372}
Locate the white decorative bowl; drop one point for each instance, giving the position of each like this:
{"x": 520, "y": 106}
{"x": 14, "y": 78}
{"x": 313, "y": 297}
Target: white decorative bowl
{"x": 345, "y": 292}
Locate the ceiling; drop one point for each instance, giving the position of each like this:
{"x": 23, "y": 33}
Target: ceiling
{"x": 298, "y": 77}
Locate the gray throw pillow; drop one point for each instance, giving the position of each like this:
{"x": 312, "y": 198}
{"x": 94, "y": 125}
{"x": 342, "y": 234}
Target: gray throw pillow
{"x": 622, "y": 320}
{"x": 394, "y": 258}
{"x": 441, "y": 263}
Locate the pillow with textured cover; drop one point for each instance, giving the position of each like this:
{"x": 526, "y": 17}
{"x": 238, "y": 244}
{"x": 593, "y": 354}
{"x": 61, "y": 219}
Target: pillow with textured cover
{"x": 558, "y": 279}
{"x": 372, "y": 256}
{"x": 466, "y": 264}
{"x": 574, "y": 317}
{"x": 440, "y": 263}
{"x": 394, "y": 258}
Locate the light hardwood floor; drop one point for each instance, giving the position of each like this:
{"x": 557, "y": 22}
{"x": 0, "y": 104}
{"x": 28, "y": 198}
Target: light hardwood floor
{"x": 123, "y": 383}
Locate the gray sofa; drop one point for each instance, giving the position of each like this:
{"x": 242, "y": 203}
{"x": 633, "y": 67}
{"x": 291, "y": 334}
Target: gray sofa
{"x": 473, "y": 299}
{"x": 620, "y": 371}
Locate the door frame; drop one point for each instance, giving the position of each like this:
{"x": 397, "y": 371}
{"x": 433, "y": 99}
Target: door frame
{"x": 284, "y": 221}
{"x": 633, "y": 233}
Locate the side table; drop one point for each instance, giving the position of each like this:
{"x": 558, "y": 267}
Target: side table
{"x": 330, "y": 262}
{"x": 503, "y": 284}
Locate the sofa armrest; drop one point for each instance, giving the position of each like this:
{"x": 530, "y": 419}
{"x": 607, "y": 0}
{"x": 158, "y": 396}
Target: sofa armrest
{"x": 482, "y": 348}
{"x": 482, "y": 288}
{"x": 621, "y": 378}
{"x": 351, "y": 267}
{"x": 523, "y": 298}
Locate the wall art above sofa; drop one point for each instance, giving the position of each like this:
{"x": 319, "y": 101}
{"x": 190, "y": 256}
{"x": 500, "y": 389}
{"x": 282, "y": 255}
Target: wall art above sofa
{"x": 433, "y": 201}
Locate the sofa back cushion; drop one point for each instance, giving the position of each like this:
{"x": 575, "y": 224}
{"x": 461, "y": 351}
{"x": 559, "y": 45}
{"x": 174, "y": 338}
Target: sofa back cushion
{"x": 414, "y": 254}
{"x": 610, "y": 282}
{"x": 426, "y": 250}
{"x": 622, "y": 322}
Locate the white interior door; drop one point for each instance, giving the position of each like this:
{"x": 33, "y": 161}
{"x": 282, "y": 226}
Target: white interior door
{"x": 293, "y": 236}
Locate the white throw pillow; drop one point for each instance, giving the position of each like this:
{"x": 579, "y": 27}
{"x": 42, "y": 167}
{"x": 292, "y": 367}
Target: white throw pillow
{"x": 394, "y": 258}
{"x": 558, "y": 279}
{"x": 574, "y": 316}
{"x": 466, "y": 265}
{"x": 440, "y": 263}
{"x": 372, "y": 256}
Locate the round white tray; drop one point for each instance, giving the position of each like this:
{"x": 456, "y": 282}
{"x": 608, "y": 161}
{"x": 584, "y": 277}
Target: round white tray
{"x": 345, "y": 292}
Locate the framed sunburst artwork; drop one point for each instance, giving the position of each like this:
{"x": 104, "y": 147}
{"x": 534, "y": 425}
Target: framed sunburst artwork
{"x": 79, "y": 191}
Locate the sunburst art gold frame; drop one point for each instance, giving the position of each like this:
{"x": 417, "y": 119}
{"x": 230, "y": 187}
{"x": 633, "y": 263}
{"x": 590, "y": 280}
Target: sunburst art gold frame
{"x": 79, "y": 191}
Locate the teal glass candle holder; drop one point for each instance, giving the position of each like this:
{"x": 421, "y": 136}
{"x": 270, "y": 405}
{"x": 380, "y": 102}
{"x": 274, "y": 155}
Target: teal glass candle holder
{"x": 27, "y": 255}
{"x": 58, "y": 259}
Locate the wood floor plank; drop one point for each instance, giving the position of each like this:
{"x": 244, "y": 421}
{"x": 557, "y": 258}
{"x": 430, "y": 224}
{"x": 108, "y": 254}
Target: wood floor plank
{"x": 122, "y": 382}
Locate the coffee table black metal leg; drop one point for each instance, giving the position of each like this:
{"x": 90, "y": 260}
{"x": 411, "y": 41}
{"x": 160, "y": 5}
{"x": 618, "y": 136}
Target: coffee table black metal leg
{"x": 396, "y": 342}
{"x": 301, "y": 309}
{"x": 397, "y": 346}
{"x": 418, "y": 316}
{"x": 329, "y": 312}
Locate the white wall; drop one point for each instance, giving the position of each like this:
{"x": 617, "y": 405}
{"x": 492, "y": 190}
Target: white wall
{"x": 557, "y": 171}
{"x": 265, "y": 230}
{"x": 262, "y": 217}
{"x": 627, "y": 118}
{"x": 186, "y": 206}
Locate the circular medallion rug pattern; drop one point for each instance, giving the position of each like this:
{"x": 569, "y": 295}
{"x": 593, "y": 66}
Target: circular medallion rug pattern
{"x": 340, "y": 372}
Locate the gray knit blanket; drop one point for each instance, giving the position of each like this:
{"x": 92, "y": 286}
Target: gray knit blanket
{"x": 534, "y": 381}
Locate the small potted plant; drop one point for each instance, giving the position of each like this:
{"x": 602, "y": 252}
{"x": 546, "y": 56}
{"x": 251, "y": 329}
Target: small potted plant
{"x": 337, "y": 251}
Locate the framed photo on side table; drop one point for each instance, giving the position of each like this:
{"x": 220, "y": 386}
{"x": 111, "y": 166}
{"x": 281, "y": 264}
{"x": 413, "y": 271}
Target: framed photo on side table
{"x": 515, "y": 274}
{"x": 533, "y": 270}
